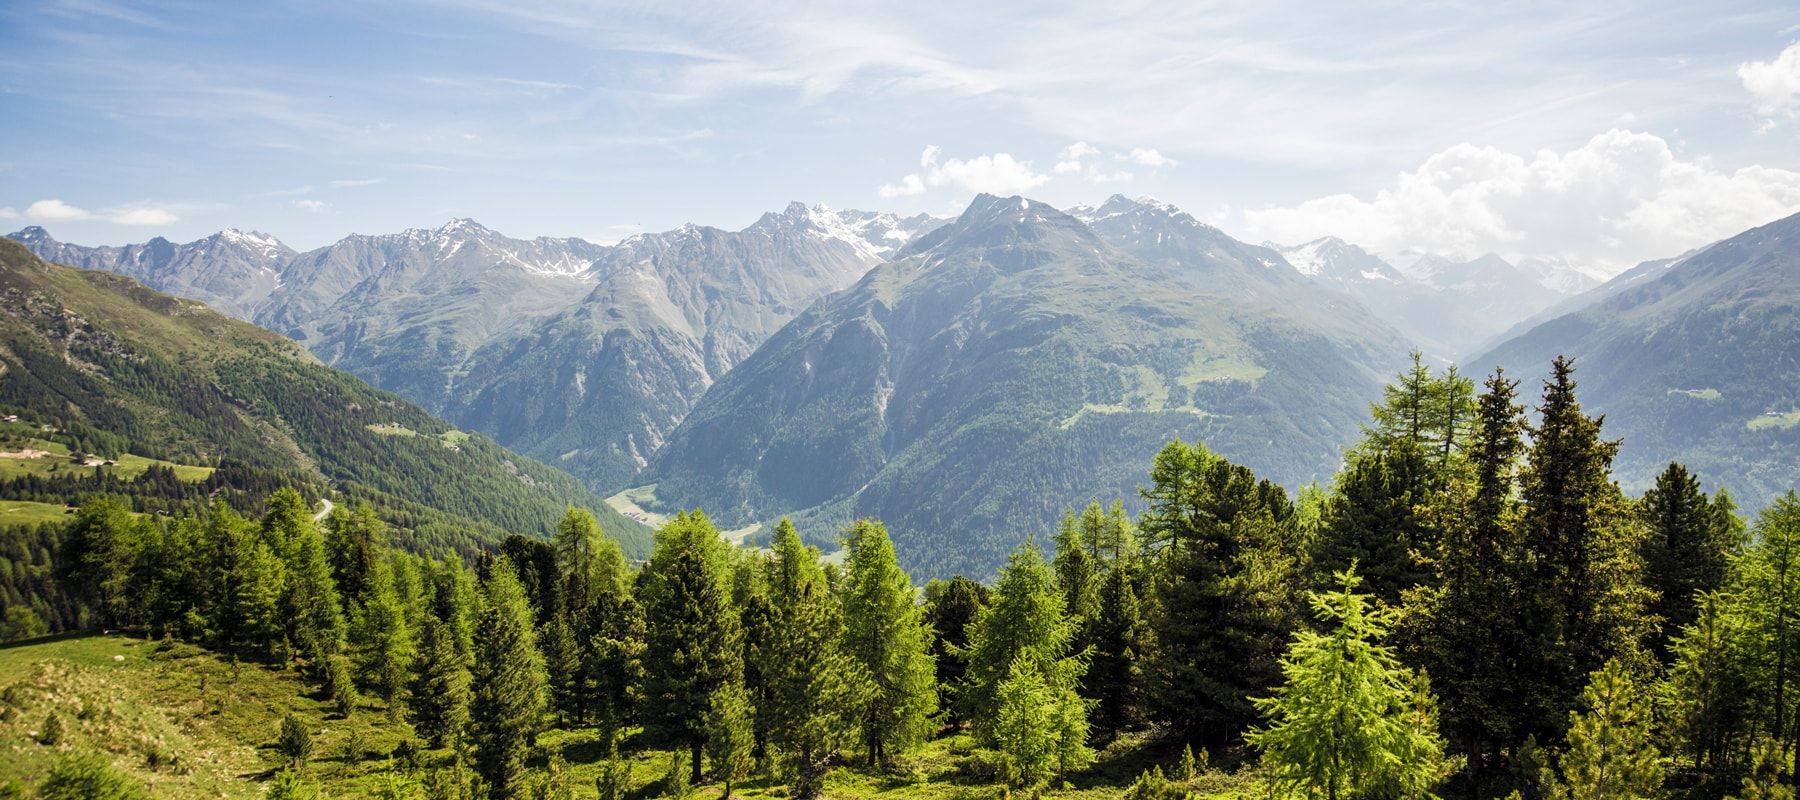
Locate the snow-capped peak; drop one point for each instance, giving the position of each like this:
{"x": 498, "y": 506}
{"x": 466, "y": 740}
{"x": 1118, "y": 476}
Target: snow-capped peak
{"x": 255, "y": 241}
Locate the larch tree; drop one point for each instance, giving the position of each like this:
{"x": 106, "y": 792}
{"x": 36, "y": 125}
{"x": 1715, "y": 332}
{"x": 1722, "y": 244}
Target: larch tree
{"x": 886, "y": 635}
{"x": 809, "y": 678}
{"x": 439, "y": 701}
{"x": 1346, "y": 722}
{"x": 383, "y": 639}
{"x": 1611, "y": 755}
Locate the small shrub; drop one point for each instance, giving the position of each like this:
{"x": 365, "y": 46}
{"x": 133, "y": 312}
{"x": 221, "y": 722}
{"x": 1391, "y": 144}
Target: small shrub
{"x": 53, "y": 732}
{"x": 85, "y": 776}
{"x": 295, "y": 741}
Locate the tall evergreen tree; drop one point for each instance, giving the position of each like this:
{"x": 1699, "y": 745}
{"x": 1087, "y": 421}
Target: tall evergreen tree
{"x": 1121, "y": 642}
{"x": 358, "y": 542}
{"x": 1375, "y": 520}
{"x": 612, "y": 660}
{"x": 693, "y": 642}
{"x": 1471, "y": 619}
{"x": 728, "y": 738}
{"x": 1579, "y": 574}
{"x": 1344, "y": 722}
{"x": 440, "y": 691}
{"x": 950, "y": 607}
{"x": 1225, "y": 541}
{"x": 1766, "y": 599}
{"x": 314, "y": 609}
{"x": 1077, "y": 570}
{"x": 590, "y": 562}
{"x": 885, "y": 634}
{"x": 506, "y": 711}
{"x": 562, "y": 660}
{"x": 383, "y": 639}
{"x": 1688, "y": 551}
{"x": 809, "y": 678}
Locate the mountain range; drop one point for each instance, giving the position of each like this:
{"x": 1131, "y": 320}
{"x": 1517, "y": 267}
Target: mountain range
{"x": 103, "y": 361}
{"x": 968, "y": 379}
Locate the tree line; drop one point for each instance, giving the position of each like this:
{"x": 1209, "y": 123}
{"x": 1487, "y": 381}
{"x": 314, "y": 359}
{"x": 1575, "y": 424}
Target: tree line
{"x": 1473, "y": 607}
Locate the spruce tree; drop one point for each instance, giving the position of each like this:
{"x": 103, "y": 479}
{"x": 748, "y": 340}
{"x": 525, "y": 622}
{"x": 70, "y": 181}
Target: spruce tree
{"x": 693, "y": 643}
{"x": 1581, "y": 599}
{"x": 1374, "y": 519}
{"x": 1121, "y": 642}
{"x": 885, "y": 634}
{"x": 562, "y": 661}
{"x": 440, "y": 689}
{"x": 1225, "y": 546}
{"x": 1471, "y": 620}
{"x": 1688, "y": 551}
{"x": 1343, "y": 722}
{"x": 809, "y": 678}
{"x": 508, "y": 683}
{"x": 590, "y": 561}
{"x": 951, "y": 606}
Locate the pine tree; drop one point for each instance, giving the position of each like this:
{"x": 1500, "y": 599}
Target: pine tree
{"x": 1688, "y": 551}
{"x": 951, "y": 606}
{"x": 728, "y": 738}
{"x": 885, "y": 634}
{"x": 1225, "y": 543}
{"x": 1373, "y": 519}
{"x": 440, "y": 690}
{"x": 611, "y": 660}
{"x": 809, "y": 678}
{"x": 693, "y": 643}
{"x": 508, "y": 682}
{"x": 1342, "y": 724}
{"x": 383, "y": 640}
{"x": 1611, "y": 755}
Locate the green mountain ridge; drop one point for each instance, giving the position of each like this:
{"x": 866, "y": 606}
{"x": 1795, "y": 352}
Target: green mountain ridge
{"x": 1012, "y": 364}
{"x": 1692, "y": 359}
{"x": 137, "y": 371}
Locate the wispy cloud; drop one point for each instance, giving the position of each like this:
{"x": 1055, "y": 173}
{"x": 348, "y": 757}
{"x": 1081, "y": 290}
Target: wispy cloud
{"x": 355, "y": 183}
{"x": 54, "y": 210}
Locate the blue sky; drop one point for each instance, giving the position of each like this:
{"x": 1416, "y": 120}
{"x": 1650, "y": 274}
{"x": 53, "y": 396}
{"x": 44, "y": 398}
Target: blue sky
{"x": 1597, "y": 134}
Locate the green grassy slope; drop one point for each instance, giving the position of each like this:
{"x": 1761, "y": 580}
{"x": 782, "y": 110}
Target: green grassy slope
{"x": 120, "y": 369}
{"x": 187, "y": 723}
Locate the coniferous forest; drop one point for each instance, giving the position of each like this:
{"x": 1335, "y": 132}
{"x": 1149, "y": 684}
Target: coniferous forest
{"x": 1472, "y": 608}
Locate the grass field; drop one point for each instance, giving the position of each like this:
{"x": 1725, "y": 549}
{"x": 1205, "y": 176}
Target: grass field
{"x": 54, "y": 460}
{"x": 24, "y": 512}
{"x": 1779, "y": 422}
{"x": 189, "y": 723}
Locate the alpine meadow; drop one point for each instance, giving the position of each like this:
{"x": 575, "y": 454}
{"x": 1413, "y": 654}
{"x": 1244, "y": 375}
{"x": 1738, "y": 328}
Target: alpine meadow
{"x": 1166, "y": 401}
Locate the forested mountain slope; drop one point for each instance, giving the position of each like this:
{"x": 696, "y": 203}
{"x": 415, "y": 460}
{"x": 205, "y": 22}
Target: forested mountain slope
{"x": 119, "y": 368}
{"x": 1009, "y": 365}
{"x": 1695, "y": 359}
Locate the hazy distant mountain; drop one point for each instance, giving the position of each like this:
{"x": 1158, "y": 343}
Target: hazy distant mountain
{"x": 1446, "y": 306}
{"x": 508, "y": 336}
{"x": 1695, "y": 359}
{"x": 231, "y": 271}
{"x": 1015, "y": 362}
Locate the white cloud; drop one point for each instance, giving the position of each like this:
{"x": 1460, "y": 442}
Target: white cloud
{"x": 310, "y": 205}
{"x": 55, "y": 211}
{"x": 142, "y": 216}
{"x": 1775, "y": 83}
{"x": 1619, "y": 199}
{"x": 909, "y": 185}
{"x": 352, "y": 184}
{"x": 998, "y": 173}
{"x": 1148, "y": 157}
{"x": 1078, "y": 151}
{"x": 1068, "y": 167}
{"x": 9, "y": 213}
